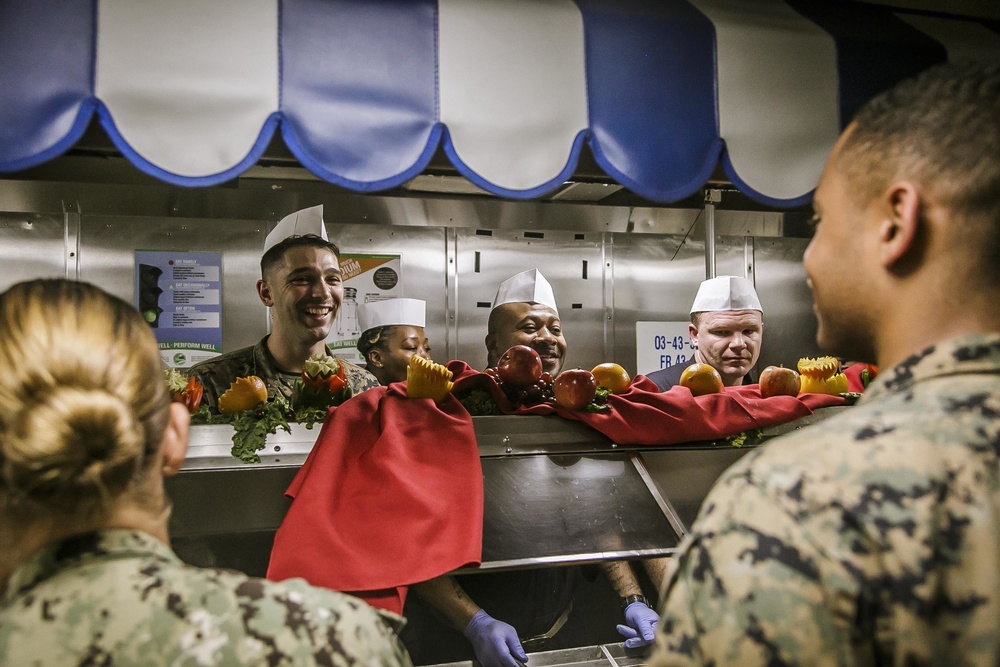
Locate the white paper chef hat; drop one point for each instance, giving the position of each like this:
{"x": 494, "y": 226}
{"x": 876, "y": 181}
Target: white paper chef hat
{"x": 526, "y": 287}
{"x": 392, "y": 312}
{"x": 726, "y": 293}
{"x": 306, "y": 221}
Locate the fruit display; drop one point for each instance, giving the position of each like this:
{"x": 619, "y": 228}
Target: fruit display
{"x": 779, "y": 381}
{"x": 574, "y": 389}
{"x": 186, "y": 390}
{"x": 612, "y": 377}
{"x": 519, "y": 375}
{"x": 520, "y": 365}
{"x": 426, "y": 379}
{"x": 323, "y": 384}
{"x": 701, "y": 379}
{"x": 245, "y": 393}
{"x": 821, "y": 375}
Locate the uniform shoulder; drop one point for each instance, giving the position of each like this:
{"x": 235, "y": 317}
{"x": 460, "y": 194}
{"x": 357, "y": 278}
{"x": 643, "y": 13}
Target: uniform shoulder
{"x": 293, "y": 612}
{"x": 358, "y": 379}
{"x": 888, "y": 444}
{"x": 236, "y": 358}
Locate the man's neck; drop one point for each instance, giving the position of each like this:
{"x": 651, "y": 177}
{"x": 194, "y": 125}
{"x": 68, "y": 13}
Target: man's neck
{"x": 291, "y": 356}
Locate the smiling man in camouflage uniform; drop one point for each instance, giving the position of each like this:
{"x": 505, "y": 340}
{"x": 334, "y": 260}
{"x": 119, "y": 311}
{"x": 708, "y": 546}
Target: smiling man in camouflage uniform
{"x": 301, "y": 283}
{"x": 874, "y": 536}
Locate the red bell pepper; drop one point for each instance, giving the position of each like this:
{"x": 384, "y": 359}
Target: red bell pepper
{"x": 191, "y": 395}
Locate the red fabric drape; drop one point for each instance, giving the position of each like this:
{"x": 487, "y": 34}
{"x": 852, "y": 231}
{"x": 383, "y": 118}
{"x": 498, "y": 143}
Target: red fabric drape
{"x": 644, "y": 415}
{"x": 392, "y": 492}
{"x": 390, "y": 495}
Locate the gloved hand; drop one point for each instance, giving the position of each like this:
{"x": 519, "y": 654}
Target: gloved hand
{"x": 641, "y": 628}
{"x": 495, "y": 642}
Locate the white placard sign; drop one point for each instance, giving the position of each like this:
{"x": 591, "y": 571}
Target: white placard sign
{"x": 661, "y": 344}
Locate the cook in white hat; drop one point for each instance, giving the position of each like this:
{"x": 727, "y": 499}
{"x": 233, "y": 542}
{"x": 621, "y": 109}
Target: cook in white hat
{"x": 393, "y": 332}
{"x": 525, "y": 313}
{"x": 727, "y": 324}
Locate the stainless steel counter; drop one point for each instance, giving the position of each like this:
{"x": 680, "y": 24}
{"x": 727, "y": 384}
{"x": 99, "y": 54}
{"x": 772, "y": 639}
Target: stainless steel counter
{"x": 556, "y": 492}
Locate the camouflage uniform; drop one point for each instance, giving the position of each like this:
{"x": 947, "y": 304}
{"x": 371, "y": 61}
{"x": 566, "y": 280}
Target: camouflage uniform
{"x": 122, "y": 597}
{"x": 871, "y": 538}
{"x": 218, "y": 373}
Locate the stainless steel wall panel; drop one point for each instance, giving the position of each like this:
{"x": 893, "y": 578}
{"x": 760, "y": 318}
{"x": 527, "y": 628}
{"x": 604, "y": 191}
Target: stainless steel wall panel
{"x": 108, "y": 244}
{"x": 32, "y": 246}
{"x": 789, "y": 321}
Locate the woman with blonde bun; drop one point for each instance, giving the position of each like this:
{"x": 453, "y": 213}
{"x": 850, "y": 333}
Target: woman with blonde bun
{"x": 87, "y": 433}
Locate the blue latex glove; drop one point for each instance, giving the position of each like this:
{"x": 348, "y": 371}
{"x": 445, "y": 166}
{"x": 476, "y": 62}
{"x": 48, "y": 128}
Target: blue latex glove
{"x": 641, "y": 628}
{"x": 495, "y": 642}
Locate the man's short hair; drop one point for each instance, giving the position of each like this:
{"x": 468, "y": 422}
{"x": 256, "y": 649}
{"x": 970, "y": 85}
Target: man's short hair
{"x": 942, "y": 130}
{"x": 276, "y": 253}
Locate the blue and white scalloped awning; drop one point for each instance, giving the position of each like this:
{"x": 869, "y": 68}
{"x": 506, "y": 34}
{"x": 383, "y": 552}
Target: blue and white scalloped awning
{"x": 363, "y": 92}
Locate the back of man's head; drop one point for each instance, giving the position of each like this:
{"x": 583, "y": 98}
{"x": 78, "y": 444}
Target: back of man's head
{"x": 275, "y": 255}
{"x": 940, "y": 130}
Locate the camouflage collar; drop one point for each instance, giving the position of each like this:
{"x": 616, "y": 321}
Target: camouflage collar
{"x": 979, "y": 353}
{"x": 81, "y": 549}
{"x": 263, "y": 362}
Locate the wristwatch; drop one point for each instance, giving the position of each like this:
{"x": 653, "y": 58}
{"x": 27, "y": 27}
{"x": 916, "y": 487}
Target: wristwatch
{"x": 629, "y": 599}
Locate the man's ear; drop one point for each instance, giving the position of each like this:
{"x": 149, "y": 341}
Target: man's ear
{"x": 175, "y": 439}
{"x": 898, "y": 231}
{"x": 491, "y": 346}
{"x": 264, "y": 293}
{"x": 693, "y": 334}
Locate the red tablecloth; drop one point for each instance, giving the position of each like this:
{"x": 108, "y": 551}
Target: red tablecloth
{"x": 644, "y": 415}
{"x": 392, "y": 492}
{"x": 390, "y": 495}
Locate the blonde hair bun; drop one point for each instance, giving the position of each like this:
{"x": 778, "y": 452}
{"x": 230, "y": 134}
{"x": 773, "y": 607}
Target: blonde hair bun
{"x": 84, "y": 401}
{"x": 75, "y": 450}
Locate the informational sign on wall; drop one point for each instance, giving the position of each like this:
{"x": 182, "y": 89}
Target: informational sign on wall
{"x": 180, "y": 295}
{"x": 366, "y": 278}
{"x": 661, "y": 344}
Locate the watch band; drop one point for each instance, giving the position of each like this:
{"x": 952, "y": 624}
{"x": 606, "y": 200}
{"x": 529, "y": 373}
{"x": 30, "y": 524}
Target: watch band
{"x": 629, "y": 599}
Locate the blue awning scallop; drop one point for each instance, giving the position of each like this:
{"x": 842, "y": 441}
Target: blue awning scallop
{"x": 364, "y": 92}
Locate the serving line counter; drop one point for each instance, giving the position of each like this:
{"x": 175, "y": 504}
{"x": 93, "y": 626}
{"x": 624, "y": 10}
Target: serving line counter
{"x": 555, "y": 492}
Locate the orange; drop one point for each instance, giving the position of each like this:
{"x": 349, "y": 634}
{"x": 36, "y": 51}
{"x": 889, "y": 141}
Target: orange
{"x": 612, "y": 377}
{"x": 243, "y": 394}
{"x": 701, "y": 379}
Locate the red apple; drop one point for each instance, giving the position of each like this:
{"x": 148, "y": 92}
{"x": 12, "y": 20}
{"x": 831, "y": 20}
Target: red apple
{"x": 574, "y": 389}
{"x": 779, "y": 381}
{"x": 520, "y": 365}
